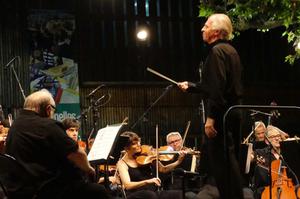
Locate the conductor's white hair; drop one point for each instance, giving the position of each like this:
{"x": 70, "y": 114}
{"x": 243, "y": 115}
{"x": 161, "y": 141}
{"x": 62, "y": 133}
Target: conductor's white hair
{"x": 222, "y": 23}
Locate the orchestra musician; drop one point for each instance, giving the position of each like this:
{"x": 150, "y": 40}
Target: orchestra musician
{"x": 263, "y": 157}
{"x": 51, "y": 158}
{"x": 174, "y": 179}
{"x": 259, "y": 131}
{"x": 174, "y": 141}
{"x": 4, "y": 127}
{"x": 71, "y": 126}
{"x": 138, "y": 180}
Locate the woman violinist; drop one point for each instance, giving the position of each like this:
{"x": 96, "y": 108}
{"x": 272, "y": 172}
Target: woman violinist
{"x": 263, "y": 157}
{"x": 138, "y": 180}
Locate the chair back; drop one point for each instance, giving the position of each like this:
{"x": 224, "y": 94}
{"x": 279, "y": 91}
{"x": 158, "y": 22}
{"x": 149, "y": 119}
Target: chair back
{"x": 14, "y": 177}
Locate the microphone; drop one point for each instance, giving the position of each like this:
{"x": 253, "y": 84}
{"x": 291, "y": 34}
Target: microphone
{"x": 98, "y": 100}
{"x": 11, "y": 61}
{"x": 95, "y": 90}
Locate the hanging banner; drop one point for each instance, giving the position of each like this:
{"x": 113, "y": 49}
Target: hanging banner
{"x": 52, "y": 64}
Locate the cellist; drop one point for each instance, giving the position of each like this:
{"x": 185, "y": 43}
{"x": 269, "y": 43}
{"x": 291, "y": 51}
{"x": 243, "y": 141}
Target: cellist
{"x": 262, "y": 157}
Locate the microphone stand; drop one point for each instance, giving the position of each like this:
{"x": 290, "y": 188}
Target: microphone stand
{"x": 167, "y": 89}
{"x": 94, "y": 106}
{"x": 11, "y": 65}
{"x": 95, "y": 117}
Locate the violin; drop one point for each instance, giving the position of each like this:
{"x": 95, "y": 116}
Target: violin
{"x": 282, "y": 186}
{"x": 148, "y": 154}
{"x": 81, "y": 144}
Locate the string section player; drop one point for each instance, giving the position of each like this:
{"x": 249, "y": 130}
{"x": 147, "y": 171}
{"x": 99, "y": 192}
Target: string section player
{"x": 262, "y": 159}
{"x": 139, "y": 180}
{"x": 174, "y": 180}
{"x": 41, "y": 145}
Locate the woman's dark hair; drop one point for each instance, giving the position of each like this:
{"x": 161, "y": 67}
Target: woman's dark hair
{"x": 131, "y": 138}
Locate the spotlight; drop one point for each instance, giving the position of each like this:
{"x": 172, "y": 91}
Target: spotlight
{"x": 142, "y": 34}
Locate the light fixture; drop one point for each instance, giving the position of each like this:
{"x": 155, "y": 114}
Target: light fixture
{"x": 142, "y": 34}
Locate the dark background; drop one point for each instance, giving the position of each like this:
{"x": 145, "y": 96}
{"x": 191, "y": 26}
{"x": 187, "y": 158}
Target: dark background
{"x": 107, "y": 51}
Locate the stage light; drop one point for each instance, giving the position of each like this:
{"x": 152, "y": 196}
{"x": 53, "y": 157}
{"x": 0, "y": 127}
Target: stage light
{"x": 142, "y": 34}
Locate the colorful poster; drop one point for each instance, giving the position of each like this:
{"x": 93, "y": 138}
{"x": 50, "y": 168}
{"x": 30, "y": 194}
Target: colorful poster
{"x": 52, "y": 64}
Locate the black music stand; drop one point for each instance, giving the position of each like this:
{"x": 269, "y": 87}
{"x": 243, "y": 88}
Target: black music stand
{"x": 290, "y": 151}
{"x": 107, "y": 148}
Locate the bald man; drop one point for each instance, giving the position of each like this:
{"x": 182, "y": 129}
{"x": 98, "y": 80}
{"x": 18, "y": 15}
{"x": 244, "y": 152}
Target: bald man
{"x": 42, "y": 147}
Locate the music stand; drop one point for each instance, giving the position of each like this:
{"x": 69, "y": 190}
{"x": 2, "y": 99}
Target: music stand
{"x": 104, "y": 148}
{"x": 289, "y": 150}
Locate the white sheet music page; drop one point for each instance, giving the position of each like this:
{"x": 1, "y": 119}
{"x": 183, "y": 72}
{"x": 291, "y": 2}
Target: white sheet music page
{"x": 103, "y": 142}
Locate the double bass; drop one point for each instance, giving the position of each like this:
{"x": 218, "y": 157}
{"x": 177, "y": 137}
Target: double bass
{"x": 282, "y": 187}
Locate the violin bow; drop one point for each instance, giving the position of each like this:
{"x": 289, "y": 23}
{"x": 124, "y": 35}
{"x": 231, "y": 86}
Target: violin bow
{"x": 156, "y": 136}
{"x": 125, "y": 120}
{"x": 186, "y": 131}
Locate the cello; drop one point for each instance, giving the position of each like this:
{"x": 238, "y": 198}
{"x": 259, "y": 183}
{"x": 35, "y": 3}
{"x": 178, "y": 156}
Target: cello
{"x": 282, "y": 186}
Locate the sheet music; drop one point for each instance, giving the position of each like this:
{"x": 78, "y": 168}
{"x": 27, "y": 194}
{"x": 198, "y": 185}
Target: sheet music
{"x": 104, "y": 142}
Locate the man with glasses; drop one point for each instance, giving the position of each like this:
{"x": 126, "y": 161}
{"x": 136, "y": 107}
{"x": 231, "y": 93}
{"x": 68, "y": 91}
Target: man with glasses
{"x": 174, "y": 180}
{"x": 263, "y": 157}
{"x": 174, "y": 141}
{"x": 51, "y": 158}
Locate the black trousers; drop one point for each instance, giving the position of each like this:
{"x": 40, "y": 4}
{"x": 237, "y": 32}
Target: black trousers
{"x": 220, "y": 161}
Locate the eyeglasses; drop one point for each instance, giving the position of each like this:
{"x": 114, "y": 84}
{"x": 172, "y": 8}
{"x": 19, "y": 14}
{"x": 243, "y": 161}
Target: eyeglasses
{"x": 174, "y": 141}
{"x": 52, "y": 106}
{"x": 275, "y": 136}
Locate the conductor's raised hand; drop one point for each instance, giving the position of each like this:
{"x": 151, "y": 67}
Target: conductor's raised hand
{"x": 183, "y": 85}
